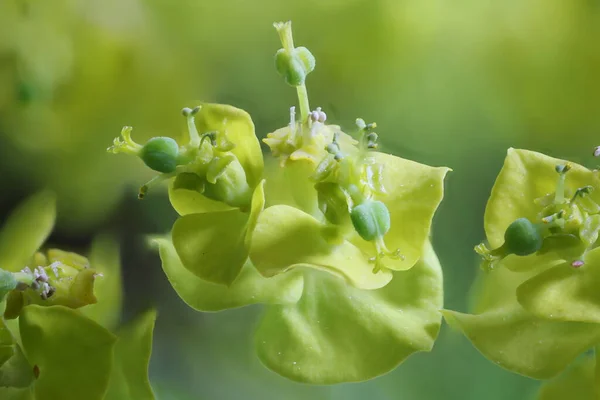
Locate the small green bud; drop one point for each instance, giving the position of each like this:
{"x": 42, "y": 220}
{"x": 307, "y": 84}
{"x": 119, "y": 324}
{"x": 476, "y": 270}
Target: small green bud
{"x": 160, "y": 154}
{"x": 522, "y": 237}
{"x": 371, "y": 219}
{"x": 294, "y": 65}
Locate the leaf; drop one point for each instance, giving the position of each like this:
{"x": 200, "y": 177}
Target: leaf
{"x": 414, "y": 191}
{"x": 26, "y": 230}
{"x": 525, "y": 177}
{"x": 73, "y": 353}
{"x": 565, "y": 293}
{"x": 239, "y": 129}
{"x": 16, "y": 372}
{"x": 520, "y": 342}
{"x": 286, "y": 238}
{"x": 105, "y": 259}
{"x": 577, "y": 383}
{"x": 249, "y": 287}
{"x": 338, "y": 333}
{"x": 129, "y": 378}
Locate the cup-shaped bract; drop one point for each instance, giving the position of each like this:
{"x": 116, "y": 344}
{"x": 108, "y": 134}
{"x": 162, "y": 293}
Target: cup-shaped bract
{"x": 535, "y": 314}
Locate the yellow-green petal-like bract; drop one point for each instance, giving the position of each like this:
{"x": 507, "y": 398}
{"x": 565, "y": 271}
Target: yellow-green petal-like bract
{"x": 525, "y": 177}
{"x": 249, "y": 287}
{"x": 414, "y": 191}
{"x": 74, "y": 355}
{"x": 338, "y": 333}
{"x": 214, "y": 246}
{"x": 565, "y": 293}
{"x": 286, "y": 238}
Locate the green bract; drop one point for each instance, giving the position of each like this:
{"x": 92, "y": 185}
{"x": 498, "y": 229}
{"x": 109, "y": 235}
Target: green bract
{"x": 57, "y": 351}
{"x": 537, "y": 311}
{"x": 216, "y": 189}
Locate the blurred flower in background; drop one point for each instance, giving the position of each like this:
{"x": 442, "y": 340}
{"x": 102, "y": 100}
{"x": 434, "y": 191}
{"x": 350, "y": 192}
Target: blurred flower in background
{"x": 448, "y": 83}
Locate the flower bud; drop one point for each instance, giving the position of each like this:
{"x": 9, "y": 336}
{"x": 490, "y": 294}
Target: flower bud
{"x": 160, "y": 154}
{"x": 371, "y": 219}
{"x": 294, "y": 65}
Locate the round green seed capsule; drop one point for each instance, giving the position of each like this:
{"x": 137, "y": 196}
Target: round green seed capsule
{"x": 522, "y": 237}
{"x": 371, "y": 219}
{"x": 160, "y": 154}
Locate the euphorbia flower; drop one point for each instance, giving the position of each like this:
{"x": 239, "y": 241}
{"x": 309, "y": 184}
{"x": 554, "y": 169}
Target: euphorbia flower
{"x": 538, "y": 308}
{"x": 59, "y": 338}
{"x": 216, "y": 189}
{"x": 30, "y": 277}
{"x": 362, "y": 213}
{"x": 357, "y": 216}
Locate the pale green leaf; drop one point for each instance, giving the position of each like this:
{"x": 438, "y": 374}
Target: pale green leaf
{"x": 129, "y": 377}
{"x": 338, "y": 333}
{"x": 26, "y": 230}
{"x": 73, "y": 353}
{"x": 286, "y": 237}
{"x": 249, "y": 287}
{"x": 105, "y": 259}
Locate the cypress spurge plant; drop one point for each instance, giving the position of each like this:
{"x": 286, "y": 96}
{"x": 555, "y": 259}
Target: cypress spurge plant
{"x": 536, "y": 309}
{"x": 352, "y": 285}
{"x": 59, "y": 337}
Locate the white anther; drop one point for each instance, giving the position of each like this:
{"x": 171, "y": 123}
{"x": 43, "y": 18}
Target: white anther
{"x": 321, "y": 116}
{"x": 597, "y": 151}
{"x": 27, "y": 270}
{"x": 314, "y": 116}
{"x": 54, "y": 267}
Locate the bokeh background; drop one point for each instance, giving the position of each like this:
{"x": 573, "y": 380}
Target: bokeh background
{"x": 451, "y": 83}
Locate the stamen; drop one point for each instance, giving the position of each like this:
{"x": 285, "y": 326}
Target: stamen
{"x": 189, "y": 114}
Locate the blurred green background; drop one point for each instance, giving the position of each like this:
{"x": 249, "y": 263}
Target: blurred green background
{"x": 451, "y": 83}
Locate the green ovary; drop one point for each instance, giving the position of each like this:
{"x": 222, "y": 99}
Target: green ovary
{"x": 160, "y": 154}
{"x": 371, "y": 219}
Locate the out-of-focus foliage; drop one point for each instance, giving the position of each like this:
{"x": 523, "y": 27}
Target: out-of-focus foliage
{"x": 453, "y": 83}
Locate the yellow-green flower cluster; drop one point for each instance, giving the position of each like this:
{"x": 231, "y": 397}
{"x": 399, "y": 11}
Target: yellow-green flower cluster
{"x": 346, "y": 259}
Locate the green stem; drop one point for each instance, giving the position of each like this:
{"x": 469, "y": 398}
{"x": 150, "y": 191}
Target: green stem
{"x": 303, "y": 100}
